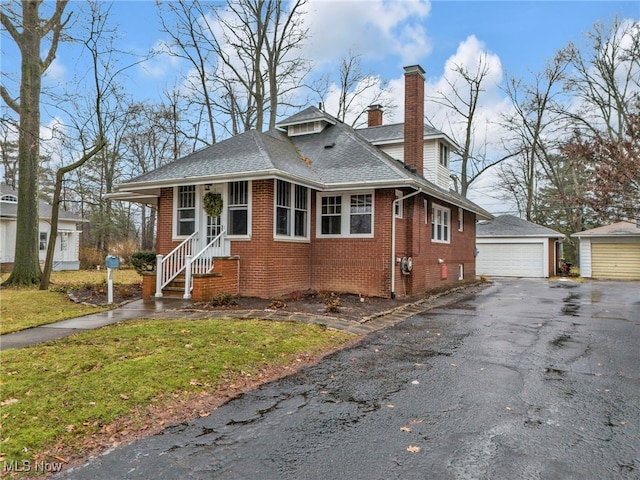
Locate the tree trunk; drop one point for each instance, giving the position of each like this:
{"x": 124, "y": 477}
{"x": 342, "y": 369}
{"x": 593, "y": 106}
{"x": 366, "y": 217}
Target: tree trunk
{"x": 26, "y": 269}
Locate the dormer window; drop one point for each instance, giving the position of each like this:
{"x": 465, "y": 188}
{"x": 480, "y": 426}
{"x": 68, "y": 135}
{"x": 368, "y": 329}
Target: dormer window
{"x": 9, "y": 198}
{"x": 444, "y": 154}
{"x": 304, "y": 128}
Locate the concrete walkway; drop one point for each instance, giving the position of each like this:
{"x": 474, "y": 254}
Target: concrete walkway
{"x": 169, "y": 308}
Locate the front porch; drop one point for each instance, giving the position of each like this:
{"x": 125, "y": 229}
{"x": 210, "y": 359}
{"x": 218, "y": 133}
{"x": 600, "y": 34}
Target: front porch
{"x": 223, "y": 277}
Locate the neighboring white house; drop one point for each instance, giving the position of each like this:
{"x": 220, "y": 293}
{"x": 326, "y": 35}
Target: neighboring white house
{"x": 509, "y": 246}
{"x": 67, "y": 244}
{"x": 611, "y": 252}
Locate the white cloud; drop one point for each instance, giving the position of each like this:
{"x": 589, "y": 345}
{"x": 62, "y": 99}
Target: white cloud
{"x": 56, "y": 73}
{"x": 375, "y": 28}
{"x": 162, "y": 64}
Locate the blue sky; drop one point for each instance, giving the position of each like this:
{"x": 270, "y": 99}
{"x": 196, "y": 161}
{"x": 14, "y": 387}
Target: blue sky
{"x": 519, "y": 37}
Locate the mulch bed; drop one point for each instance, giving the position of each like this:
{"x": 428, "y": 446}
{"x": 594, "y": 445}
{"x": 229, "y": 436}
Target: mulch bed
{"x": 346, "y": 306}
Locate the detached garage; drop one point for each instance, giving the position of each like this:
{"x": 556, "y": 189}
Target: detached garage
{"x": 611, "y": 252}
{"x": 511, "y": 247}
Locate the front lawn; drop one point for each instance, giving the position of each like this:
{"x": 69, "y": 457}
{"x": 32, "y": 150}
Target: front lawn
{"x": 22, "y": 308}
{"x": 58, "y": 395}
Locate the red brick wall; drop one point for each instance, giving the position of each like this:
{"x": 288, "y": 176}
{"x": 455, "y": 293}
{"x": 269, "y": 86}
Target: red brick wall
{"x": 148, "y": 285}
{"x": 459, "y": 251}
{"x": 356, "y": 265}
{"x": 270, "y": 268}
{"x": 164, "y": 244}
{"x": 224, "y": 279}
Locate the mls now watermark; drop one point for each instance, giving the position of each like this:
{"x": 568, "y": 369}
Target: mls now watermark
{"x": 31, "y": 466}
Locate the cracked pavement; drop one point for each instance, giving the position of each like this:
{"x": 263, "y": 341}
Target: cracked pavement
{"x": 527, "y": 379}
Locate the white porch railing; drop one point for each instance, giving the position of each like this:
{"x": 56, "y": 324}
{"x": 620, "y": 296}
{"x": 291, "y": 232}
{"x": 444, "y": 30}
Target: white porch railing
{"x": 203, "y": 261}
{"x": 169, "y": 267}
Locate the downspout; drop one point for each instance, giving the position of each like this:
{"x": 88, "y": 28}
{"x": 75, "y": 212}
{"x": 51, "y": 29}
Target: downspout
{"x": 393, "y": 239}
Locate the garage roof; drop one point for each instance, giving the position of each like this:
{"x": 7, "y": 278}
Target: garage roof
{"x": 626, "y": 228}
{"x": 512, "y": 226}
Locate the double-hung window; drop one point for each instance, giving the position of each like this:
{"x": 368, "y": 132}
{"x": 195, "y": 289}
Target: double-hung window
{"x": 331, "y": 215}
{"x": 440, "y": 224}
{"x": 186, "y": 211}
{"x": 64, "y": 242}
{"x": 397, "y": 206}
{"x": 43, "y": 240}
{"x": 361, "y": 214}
{"x": 444, "y": 155}
{"x": 346, "y": 215}
{"x": 238, "y": 208}
{"x": 291, "y": 210}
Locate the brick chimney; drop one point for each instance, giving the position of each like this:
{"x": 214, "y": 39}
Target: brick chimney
{"x": 374, "y": 118}
{"x": 414, "y": 117}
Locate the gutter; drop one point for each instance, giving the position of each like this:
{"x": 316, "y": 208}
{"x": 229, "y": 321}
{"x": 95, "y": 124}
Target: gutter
{"x": 393, "y": 239}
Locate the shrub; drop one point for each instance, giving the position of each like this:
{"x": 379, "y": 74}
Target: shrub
{"x": 331, "y": 302}
{"x": 222, "y": 299}
{"x": 90, "y": 258}
{"x": 144, "y": 261}
{"x": 277, "y": 304}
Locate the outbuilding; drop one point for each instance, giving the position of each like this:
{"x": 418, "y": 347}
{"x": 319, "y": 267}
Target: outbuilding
{"x": 611, "y": 252}
{"x": 508, "y": 246}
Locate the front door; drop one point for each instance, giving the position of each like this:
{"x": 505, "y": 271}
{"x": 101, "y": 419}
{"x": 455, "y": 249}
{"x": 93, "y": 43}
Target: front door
{"x": 213, "y": 226}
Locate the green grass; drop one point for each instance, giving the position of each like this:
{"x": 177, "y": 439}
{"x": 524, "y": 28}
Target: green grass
{"x": 61, "y": 392}
{"x": 22, "y": 308}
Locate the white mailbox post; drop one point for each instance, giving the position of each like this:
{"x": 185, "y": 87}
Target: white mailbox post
{"x": 111, "y": 262}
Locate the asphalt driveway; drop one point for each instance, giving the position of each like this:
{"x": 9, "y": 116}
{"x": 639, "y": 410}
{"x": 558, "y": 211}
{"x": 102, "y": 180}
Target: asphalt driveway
{"x": 528, "y": 379}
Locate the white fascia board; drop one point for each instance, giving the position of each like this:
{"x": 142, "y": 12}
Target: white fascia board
{"x": 483, "y": 240}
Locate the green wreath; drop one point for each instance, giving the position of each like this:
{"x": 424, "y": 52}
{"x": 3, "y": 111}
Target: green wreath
{"x": 213, "y": 204}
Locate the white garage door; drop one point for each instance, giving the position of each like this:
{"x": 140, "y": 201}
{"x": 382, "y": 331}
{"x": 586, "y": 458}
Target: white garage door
{"x": 510, "y": 259}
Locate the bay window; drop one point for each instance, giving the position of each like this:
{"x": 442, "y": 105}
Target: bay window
{"x": 291, "y": 210}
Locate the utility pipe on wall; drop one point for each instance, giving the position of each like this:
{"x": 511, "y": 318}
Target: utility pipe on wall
{"x": 393, "y": 238}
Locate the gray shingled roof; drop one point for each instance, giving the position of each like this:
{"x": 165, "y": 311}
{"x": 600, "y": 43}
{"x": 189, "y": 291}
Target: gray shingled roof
{"x": 10, "y": 210}
{"x": 393, "y": 132}
{"x": 620, "y": 229}
{"x": 337, "y": 157}
{"x": 310, "y": 114}
{"x": 511, "y": 226}
{"x": 248, "y": 153}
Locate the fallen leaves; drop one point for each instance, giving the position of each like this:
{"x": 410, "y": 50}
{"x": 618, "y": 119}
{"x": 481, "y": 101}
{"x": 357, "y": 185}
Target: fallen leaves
{"x": 405, "y": 429}
{"x": 413, "y": 449}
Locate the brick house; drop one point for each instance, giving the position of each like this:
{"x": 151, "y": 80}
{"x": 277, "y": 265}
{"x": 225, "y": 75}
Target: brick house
{"x": 314, "y": 204}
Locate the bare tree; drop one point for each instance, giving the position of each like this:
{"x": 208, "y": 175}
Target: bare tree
{"x": 605, "y": 78}
{"x": 356, "y": 90}
{"x": 285, "y": 70}
{"x": 463, "y": 100}
{"x": 28, "y": 30}
{"x": 193, "y": 39}
{"x": 533, "y": 125}
{"x": 9, "y": 154}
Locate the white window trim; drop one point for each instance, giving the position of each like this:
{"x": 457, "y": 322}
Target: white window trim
{"x": 399, "y": 204}
{"x": 444, "y": 153}
{"x": 43, "y": 244}
{"x": 345, "y": 221}
{"x": 174, "y": 223}
{"x": 292, "y": 210}
{"x": 249, "y": 210}
{"x": 460, "y": 219}
{"x": 435, "y": 207}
